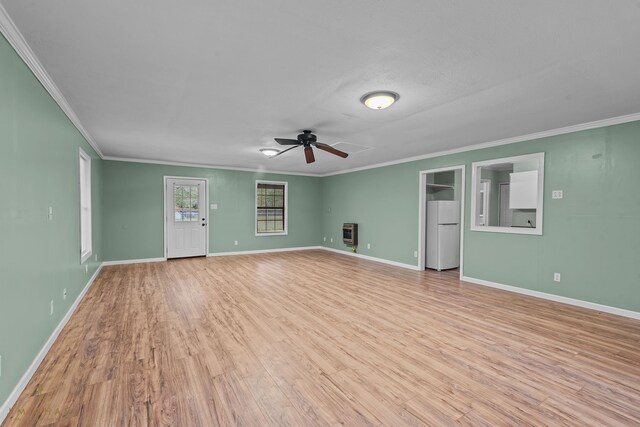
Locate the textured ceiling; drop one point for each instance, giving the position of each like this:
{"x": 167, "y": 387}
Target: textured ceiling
{"x": 210, "y": 82}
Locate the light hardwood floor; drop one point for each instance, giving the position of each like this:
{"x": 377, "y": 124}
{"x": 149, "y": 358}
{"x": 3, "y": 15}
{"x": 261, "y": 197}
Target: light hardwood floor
{"x": 314, "y": 338}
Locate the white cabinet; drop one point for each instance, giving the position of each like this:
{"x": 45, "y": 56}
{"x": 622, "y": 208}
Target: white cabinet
{"x": 523, "y": 191}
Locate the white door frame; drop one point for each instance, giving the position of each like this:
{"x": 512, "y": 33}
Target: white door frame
{"x": 422, "y": 214}
{"x": 206, "y": 210}
{"x": 485, "y": 186}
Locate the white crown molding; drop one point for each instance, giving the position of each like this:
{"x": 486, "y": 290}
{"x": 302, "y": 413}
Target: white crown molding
{"x": 529, "y": 137}
{"x": 263, "y": 251}
{"x": 556, "y": 298}
{"x": 15, "y": 38}
{"x": 26, "y": 377}
{"x": 371, "y": 258}
{"x": 133, "y": 261}
{"x": 205, "y": 166}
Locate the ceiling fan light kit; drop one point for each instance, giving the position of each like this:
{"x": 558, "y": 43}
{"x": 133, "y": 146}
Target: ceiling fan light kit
{"x": 379, "y": 100}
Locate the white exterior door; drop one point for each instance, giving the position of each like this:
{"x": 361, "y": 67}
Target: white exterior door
{"x": 186, "y": 221}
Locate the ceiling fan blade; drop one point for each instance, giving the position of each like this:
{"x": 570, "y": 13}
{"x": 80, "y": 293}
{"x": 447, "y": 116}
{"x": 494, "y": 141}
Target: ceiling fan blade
{"x": 330, "y": 149}
{"x": 308, "y": 154}
{"x": 284, "y": 151}
{"x": 284, "y": 141}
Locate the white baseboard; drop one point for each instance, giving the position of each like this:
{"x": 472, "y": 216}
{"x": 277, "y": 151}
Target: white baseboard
{"x": 556, "y": 298}
{"x": 133, "y": 261}
{"x": 306, "y": 248}
{"x": 371, "y": 258}
{"x": 22, "y": 384}
{"x": 264, "y": 251}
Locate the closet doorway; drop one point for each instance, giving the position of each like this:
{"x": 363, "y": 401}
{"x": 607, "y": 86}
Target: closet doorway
{"x": 441, "y": 218}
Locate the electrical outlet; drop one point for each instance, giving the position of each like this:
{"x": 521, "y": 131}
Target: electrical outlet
{"x": 556, "y": 194}
{"x": 556, "y": 277}
{"x": 95, "y": 257}
{"x": 415, "y": 254}
{"x": 235, "y": 242}
{"x": 368, "y": 245}
{"x": 213, "y": 206}
{"x": 64, "y": 293}
{"x": 50, "y": 213}
{"x": 86, "y": 268}
{"x": 332, "y": 240}
{"x": 51, "y": 309}
{"x": 324, "y": 239}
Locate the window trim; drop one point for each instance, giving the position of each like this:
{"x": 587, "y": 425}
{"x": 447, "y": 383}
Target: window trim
{"x": 475, "y": 179}
{"x": 87, "y": 252}
{"x": 286, "y": 209}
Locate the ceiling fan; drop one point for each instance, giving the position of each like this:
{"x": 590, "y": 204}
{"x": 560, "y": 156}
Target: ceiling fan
{"x": 308, "y": 140}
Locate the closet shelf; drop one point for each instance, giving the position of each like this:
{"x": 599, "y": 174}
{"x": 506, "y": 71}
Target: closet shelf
{"x": 439, "y": 187}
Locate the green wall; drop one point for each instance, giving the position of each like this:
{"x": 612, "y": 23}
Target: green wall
{"x": 591, "y": 237}
{"x": 133, "y": 209}
{"x": 38, "y": 258}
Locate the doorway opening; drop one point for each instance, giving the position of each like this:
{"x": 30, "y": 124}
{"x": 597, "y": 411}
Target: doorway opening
{"x": 441, "y": 218}
{"x": 186, "y": 221}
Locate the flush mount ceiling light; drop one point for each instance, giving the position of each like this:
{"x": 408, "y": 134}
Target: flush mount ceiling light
{"x": 379, "y": 100}
{"x": 269, "y": 152}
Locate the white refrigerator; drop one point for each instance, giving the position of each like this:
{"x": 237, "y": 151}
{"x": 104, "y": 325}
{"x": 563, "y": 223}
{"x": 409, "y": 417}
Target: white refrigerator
{"x": 443, "y": 234}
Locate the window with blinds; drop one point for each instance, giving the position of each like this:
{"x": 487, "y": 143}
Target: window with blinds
{"x": 271, "y": 208}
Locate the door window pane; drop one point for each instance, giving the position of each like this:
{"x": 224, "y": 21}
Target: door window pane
{"x": 186, "y": 199}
